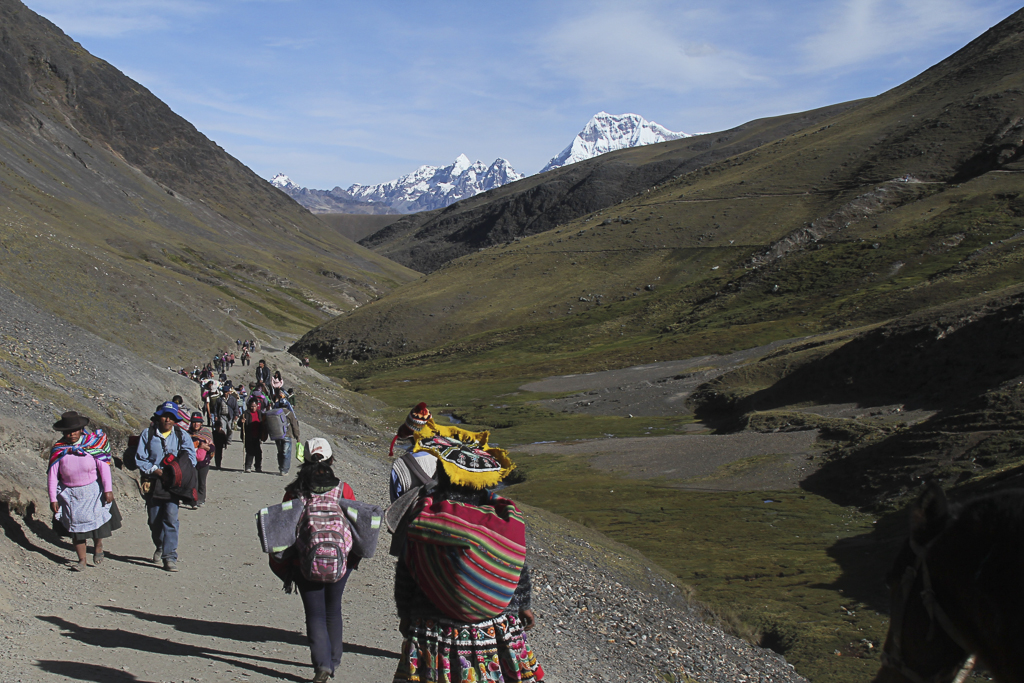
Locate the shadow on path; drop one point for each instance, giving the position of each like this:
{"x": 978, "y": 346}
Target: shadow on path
{"x": 12, "y": 529}
{"x": 114, "y": 638}
{"x": 86, "y": 672}
{"x": 246, "y": 633}
{"x": 127, "y": 559}
{"x": 370, "y": 651}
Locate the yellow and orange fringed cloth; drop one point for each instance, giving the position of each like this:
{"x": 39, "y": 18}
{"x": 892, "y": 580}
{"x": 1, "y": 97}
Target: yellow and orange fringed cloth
{"x": 466, "y": 456}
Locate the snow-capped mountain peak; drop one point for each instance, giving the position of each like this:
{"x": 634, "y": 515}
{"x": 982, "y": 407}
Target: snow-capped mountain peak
{"x": 282, "y": 182}
{"x": 608, "y": 132}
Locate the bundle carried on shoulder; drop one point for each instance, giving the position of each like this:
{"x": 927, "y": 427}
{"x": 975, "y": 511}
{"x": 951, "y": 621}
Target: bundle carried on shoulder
{"x": 467, "y": 558}
{"x": 278, "y": 526}
{"x": 180, "y": 478}
{"x": 275, "y": 423}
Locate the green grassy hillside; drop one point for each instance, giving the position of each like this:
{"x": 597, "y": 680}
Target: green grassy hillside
{"x": 904, "y": 201}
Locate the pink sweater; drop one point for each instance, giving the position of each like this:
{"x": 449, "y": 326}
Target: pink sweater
{"x": 74, "y": 470}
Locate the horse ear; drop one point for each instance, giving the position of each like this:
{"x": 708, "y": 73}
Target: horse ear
{"x": 929, "y": 514}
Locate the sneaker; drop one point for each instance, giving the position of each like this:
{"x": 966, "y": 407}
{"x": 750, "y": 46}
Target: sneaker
{"x": 247, "y": 470}
{"x": 158, "y": 555}
{"x": 170, "y": 566}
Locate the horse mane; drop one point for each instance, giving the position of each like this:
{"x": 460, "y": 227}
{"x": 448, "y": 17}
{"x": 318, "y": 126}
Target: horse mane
{"x": 1000, "y": 510}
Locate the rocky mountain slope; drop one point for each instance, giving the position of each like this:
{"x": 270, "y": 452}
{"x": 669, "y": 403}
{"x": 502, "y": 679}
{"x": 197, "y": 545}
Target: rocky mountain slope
{"x": 606, "y": 132}
{"x": 937, "y": 395}
{"x": 879, "y": 208}
{"x": 122, "y": 218}
{"x": 327, "y": 201}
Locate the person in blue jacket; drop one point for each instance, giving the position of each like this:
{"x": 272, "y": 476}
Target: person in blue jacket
{"x": 161, "y": 438}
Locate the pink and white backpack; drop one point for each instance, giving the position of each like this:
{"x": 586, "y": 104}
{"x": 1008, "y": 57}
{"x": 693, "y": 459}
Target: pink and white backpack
{"x": 324, "y": 538}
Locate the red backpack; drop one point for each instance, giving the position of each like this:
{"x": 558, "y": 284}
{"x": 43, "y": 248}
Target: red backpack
{"x": 324, "y": 538}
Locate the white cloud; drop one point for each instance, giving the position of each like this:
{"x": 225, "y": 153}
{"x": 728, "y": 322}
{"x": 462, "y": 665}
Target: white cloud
{"x": 625, "y": 48}
{"x": 862, "y": 31}
{"x": 112, "y": 18}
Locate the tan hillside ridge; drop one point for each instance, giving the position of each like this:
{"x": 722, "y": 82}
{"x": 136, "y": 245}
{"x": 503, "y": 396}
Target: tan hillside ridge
{"x": 121, "y": 216}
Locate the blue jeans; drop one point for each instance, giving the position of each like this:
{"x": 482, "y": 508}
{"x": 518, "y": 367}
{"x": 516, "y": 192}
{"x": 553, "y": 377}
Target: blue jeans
{"x": 163, "y": 524}
{"x": 322, "y": 603}
{"x": 284, "y": 455}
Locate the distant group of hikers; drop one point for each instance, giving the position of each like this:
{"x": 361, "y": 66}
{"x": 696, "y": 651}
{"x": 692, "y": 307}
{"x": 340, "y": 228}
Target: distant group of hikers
{"x": 462, "y": 586}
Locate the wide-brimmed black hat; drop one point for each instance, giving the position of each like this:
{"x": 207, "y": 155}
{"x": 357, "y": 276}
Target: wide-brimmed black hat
{"x": 70, "y": 421}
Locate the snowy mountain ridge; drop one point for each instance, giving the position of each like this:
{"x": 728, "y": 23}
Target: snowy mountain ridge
{"x": 433, "y": 187}
{"x": 608, "y": 132}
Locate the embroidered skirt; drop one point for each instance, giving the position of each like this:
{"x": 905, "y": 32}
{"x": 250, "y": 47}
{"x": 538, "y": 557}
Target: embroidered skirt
{"x": 445, "y": 651}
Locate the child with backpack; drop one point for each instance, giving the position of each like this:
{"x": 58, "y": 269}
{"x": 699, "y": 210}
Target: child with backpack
{"x": 320, "y": 566}
{"x": 462, "y": 586}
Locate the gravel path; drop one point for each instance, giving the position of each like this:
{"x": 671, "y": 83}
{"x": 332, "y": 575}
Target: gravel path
{"x": 223, "y": 617}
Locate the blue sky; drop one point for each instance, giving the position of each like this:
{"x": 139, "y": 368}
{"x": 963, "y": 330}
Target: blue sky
{"x": 332, "y": 92}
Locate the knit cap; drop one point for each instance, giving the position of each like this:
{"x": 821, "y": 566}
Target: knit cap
{"x": 418, "y": 417}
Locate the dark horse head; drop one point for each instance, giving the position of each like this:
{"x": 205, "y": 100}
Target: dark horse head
{"x": 957, "y": 589}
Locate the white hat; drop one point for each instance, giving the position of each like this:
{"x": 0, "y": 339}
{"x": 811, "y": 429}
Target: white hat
{"x": 318, "y": 450}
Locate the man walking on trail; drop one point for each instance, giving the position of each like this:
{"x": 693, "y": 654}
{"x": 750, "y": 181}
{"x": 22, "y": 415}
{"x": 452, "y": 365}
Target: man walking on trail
{"x": 161, "y": 439}
{"x": 263, "y": 375}
{"x": 287, "y": 440}
{"x": 225, "y": 411}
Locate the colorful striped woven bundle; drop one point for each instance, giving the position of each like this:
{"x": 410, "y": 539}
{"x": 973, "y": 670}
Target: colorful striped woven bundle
{"x": 467, "y": 558}
{"x": 91, "y": 443}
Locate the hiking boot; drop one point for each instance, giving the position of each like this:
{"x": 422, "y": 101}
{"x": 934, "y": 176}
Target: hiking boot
{"x": 321, "y": 676}
{"x": 170, "y": 566}
{"x": 97, "y": 558}
{"x": 158, "y": 555}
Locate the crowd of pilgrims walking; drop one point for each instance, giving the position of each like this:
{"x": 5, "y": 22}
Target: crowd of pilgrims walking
{"x": 452, "y": 630}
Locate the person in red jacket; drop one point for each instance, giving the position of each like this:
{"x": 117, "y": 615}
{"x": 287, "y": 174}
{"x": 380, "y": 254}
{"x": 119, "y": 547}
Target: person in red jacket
{"x": 321, "y": 601}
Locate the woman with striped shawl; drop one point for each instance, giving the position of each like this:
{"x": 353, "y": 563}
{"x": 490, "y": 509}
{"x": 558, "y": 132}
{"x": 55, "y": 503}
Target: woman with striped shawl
{"x": 79, "y": 484}
{"x": 450, "y": 635}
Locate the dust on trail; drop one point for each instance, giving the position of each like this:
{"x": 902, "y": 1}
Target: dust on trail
{"x": 222, "y": 617}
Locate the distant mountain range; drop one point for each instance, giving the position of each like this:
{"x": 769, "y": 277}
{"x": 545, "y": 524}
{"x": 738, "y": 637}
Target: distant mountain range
{"x": 432, "y": 187}
{"x": 328, "y": 201}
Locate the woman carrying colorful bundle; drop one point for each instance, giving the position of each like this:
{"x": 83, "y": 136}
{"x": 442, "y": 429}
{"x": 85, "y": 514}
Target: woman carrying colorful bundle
{"x": 79, "y": 484}
{"x": 454, "y": 634}
{"x": 317, "y": 486}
